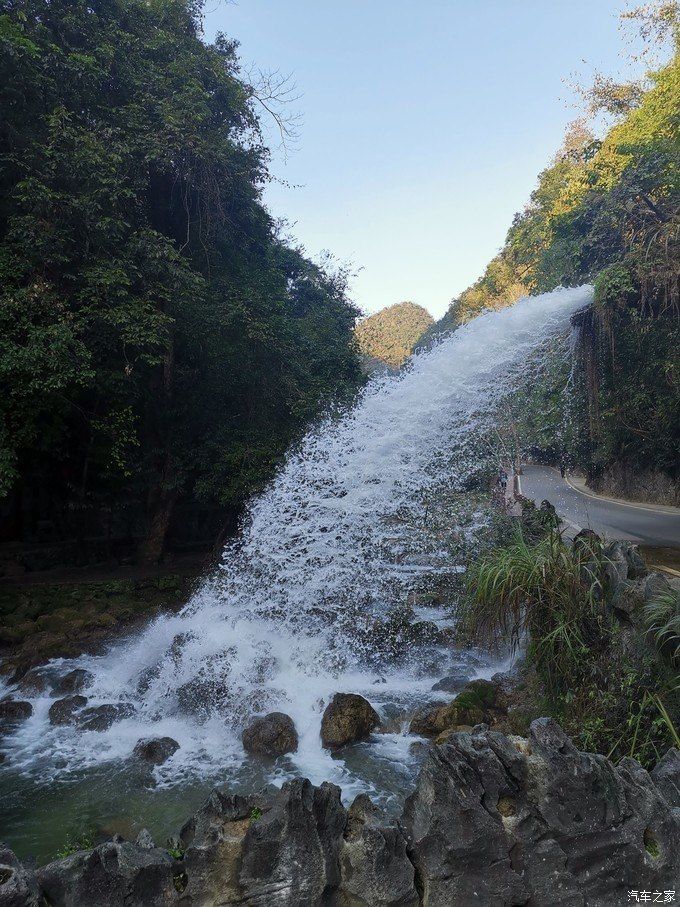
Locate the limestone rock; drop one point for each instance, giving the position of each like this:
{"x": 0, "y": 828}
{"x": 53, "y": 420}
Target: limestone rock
{"x": 347, "y": 719}
{"x": 156, "y": 750}
{"x": 374, "y": 865}
{"x": 116, "y": 874}
{"x": 18, "y": 885}
{"x": 271, "y": 735}
{"x": 499, "y": 820}
{"x": 666, "y": 776}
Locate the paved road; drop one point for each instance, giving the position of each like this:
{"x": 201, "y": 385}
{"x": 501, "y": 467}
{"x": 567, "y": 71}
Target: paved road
{"x": 642, "y": 523}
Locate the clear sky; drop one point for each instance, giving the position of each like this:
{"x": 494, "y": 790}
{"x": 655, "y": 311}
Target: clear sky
{"x": 424, "y": 124}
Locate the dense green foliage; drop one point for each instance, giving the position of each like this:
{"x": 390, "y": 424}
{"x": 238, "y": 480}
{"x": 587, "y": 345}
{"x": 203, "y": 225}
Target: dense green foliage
{"x": 610, "y": 692}
{"x": 608, "y": 211}
{"x": 392, "y": 333}
{"x": 159, "y": 341}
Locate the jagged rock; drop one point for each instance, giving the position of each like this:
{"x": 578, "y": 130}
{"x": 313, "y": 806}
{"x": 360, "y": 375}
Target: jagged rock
{"x": 116, "y": 874}
{"x": 18, "y": 885}
{"x": 13, "y": 711}
{"x": 201, "y": 696}
{"x": 212, "y": 841}
{"x": 145, "y": 840}
{"x": 622, "y": 562}
{"x": 374, "y": 866}
{"x": 155, "y": 749}
{"x": 666, "y": 776}
{"x": 271, "y": 735}
{"x": 64, "y": 711}
{"x": 347, "y": 718}
{"x": 101, "y": 717}
{"x": 75, "y": 681}
{"x": 495, "y": 820}
{"x": 291, "y": 854}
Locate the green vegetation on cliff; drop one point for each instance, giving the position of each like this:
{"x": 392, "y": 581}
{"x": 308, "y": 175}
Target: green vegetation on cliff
{"x": 608, "y": 211}
{"x": 392, "y": 333}
{"x": 160, "y": 343}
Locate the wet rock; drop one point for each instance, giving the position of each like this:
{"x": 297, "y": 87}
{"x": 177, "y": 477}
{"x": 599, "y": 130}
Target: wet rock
{"x": 666, "y": 776}
{"x": 14, "y": 711}
{"x": 101, "y": 717}
{"x": 455, "y": 681}
{"x": 201, "y": 696}
{"x": 75, "y": 681}
{"x": 497, "y": 820}
{"x": 156, "y": 750}
{"x": 374, "y": 866}
{"x": 116, "y": 873}
{"x": 64, "y": 711}
{"x": 480, "y": 701}
{"x": 271, "y": 735}
{"x": 18, "y": 884}
{"x": 33, "y": 683}
{"x": 347, "y": 719}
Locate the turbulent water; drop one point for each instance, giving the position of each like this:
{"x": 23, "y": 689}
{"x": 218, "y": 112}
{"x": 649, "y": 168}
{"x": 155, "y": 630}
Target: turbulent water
{"x": 306, "y": 601}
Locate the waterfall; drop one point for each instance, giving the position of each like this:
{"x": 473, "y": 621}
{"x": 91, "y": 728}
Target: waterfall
{"x": 307, "y": 599}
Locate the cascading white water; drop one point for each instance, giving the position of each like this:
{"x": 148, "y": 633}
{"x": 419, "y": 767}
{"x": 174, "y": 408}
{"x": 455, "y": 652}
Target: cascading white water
{"x": 336, "y": 542}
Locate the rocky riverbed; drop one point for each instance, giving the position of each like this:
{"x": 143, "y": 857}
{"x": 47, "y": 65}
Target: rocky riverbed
{"x": 494, "y": 820}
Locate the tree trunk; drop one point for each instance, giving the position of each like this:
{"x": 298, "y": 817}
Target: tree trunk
{"x": 152, "y": 547}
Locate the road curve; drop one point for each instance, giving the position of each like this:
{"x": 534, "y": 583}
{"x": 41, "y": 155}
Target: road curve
{"x": 643, "y": 523}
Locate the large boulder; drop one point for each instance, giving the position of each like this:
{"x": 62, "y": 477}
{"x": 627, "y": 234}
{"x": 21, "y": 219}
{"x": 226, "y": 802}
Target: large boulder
{"x": 65, "y": 710}
{"x": 271, "y": 735}
{"x": 156, "y": 750}
{"x": 347, "y": 719}
{"x": 18, "y": 885}
{"x": 116, "y": 874}
{"x": 374, "y": 865}
{"x": 497, "y": 820}
{"x": 479, "y": 702}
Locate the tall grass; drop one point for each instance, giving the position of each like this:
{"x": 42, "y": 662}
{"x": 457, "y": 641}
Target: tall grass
{"x": 662, "y": 616}
{"x": 544, "y": 591}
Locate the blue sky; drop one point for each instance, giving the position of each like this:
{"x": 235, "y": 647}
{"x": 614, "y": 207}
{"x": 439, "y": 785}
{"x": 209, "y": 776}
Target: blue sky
{"x": 424, "y": 124}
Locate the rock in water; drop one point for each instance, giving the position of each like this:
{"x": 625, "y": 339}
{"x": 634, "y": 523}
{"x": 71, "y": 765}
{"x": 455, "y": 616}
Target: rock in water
{"x": 12, "y": 711}
{"x": 101, "y": 717}
{"x": 495, "y": 820}
{"x": 64, "y": 711}
{"x": 347, "y": 718}
{"x": 155, "y": 749}
{"x": 271, "y": 735}
{"x": 75, "y": 681}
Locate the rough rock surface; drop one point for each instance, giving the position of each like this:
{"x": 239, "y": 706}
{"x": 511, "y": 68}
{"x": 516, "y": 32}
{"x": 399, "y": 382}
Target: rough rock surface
{"x": 374, "y": 864}
{"x": 74, "y": 682}
{"x": 64, "y": 711}
{"x": 499, "y": 821}
{"x": 116, "y": 874}
{"x": 271, "y": 735}
{"x": 493, "y": 820}
{"x": 12, "y": 711}
{"x": 156, "y": 750}
{"x": 101, "y": 717}
{"x": 347, "y": 718}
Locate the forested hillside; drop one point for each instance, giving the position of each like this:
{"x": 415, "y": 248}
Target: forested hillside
{"x": 391, "y": 334}
{"x": 607, "y": 210}
{"x": 160, "y": 343}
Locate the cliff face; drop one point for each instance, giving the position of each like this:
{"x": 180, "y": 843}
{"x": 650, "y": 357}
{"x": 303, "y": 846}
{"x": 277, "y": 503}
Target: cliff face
{"x": 494, "y": 820}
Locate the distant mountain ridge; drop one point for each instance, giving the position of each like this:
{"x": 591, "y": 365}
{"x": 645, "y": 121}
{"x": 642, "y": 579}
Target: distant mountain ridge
{"x": 391, "y": 334}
